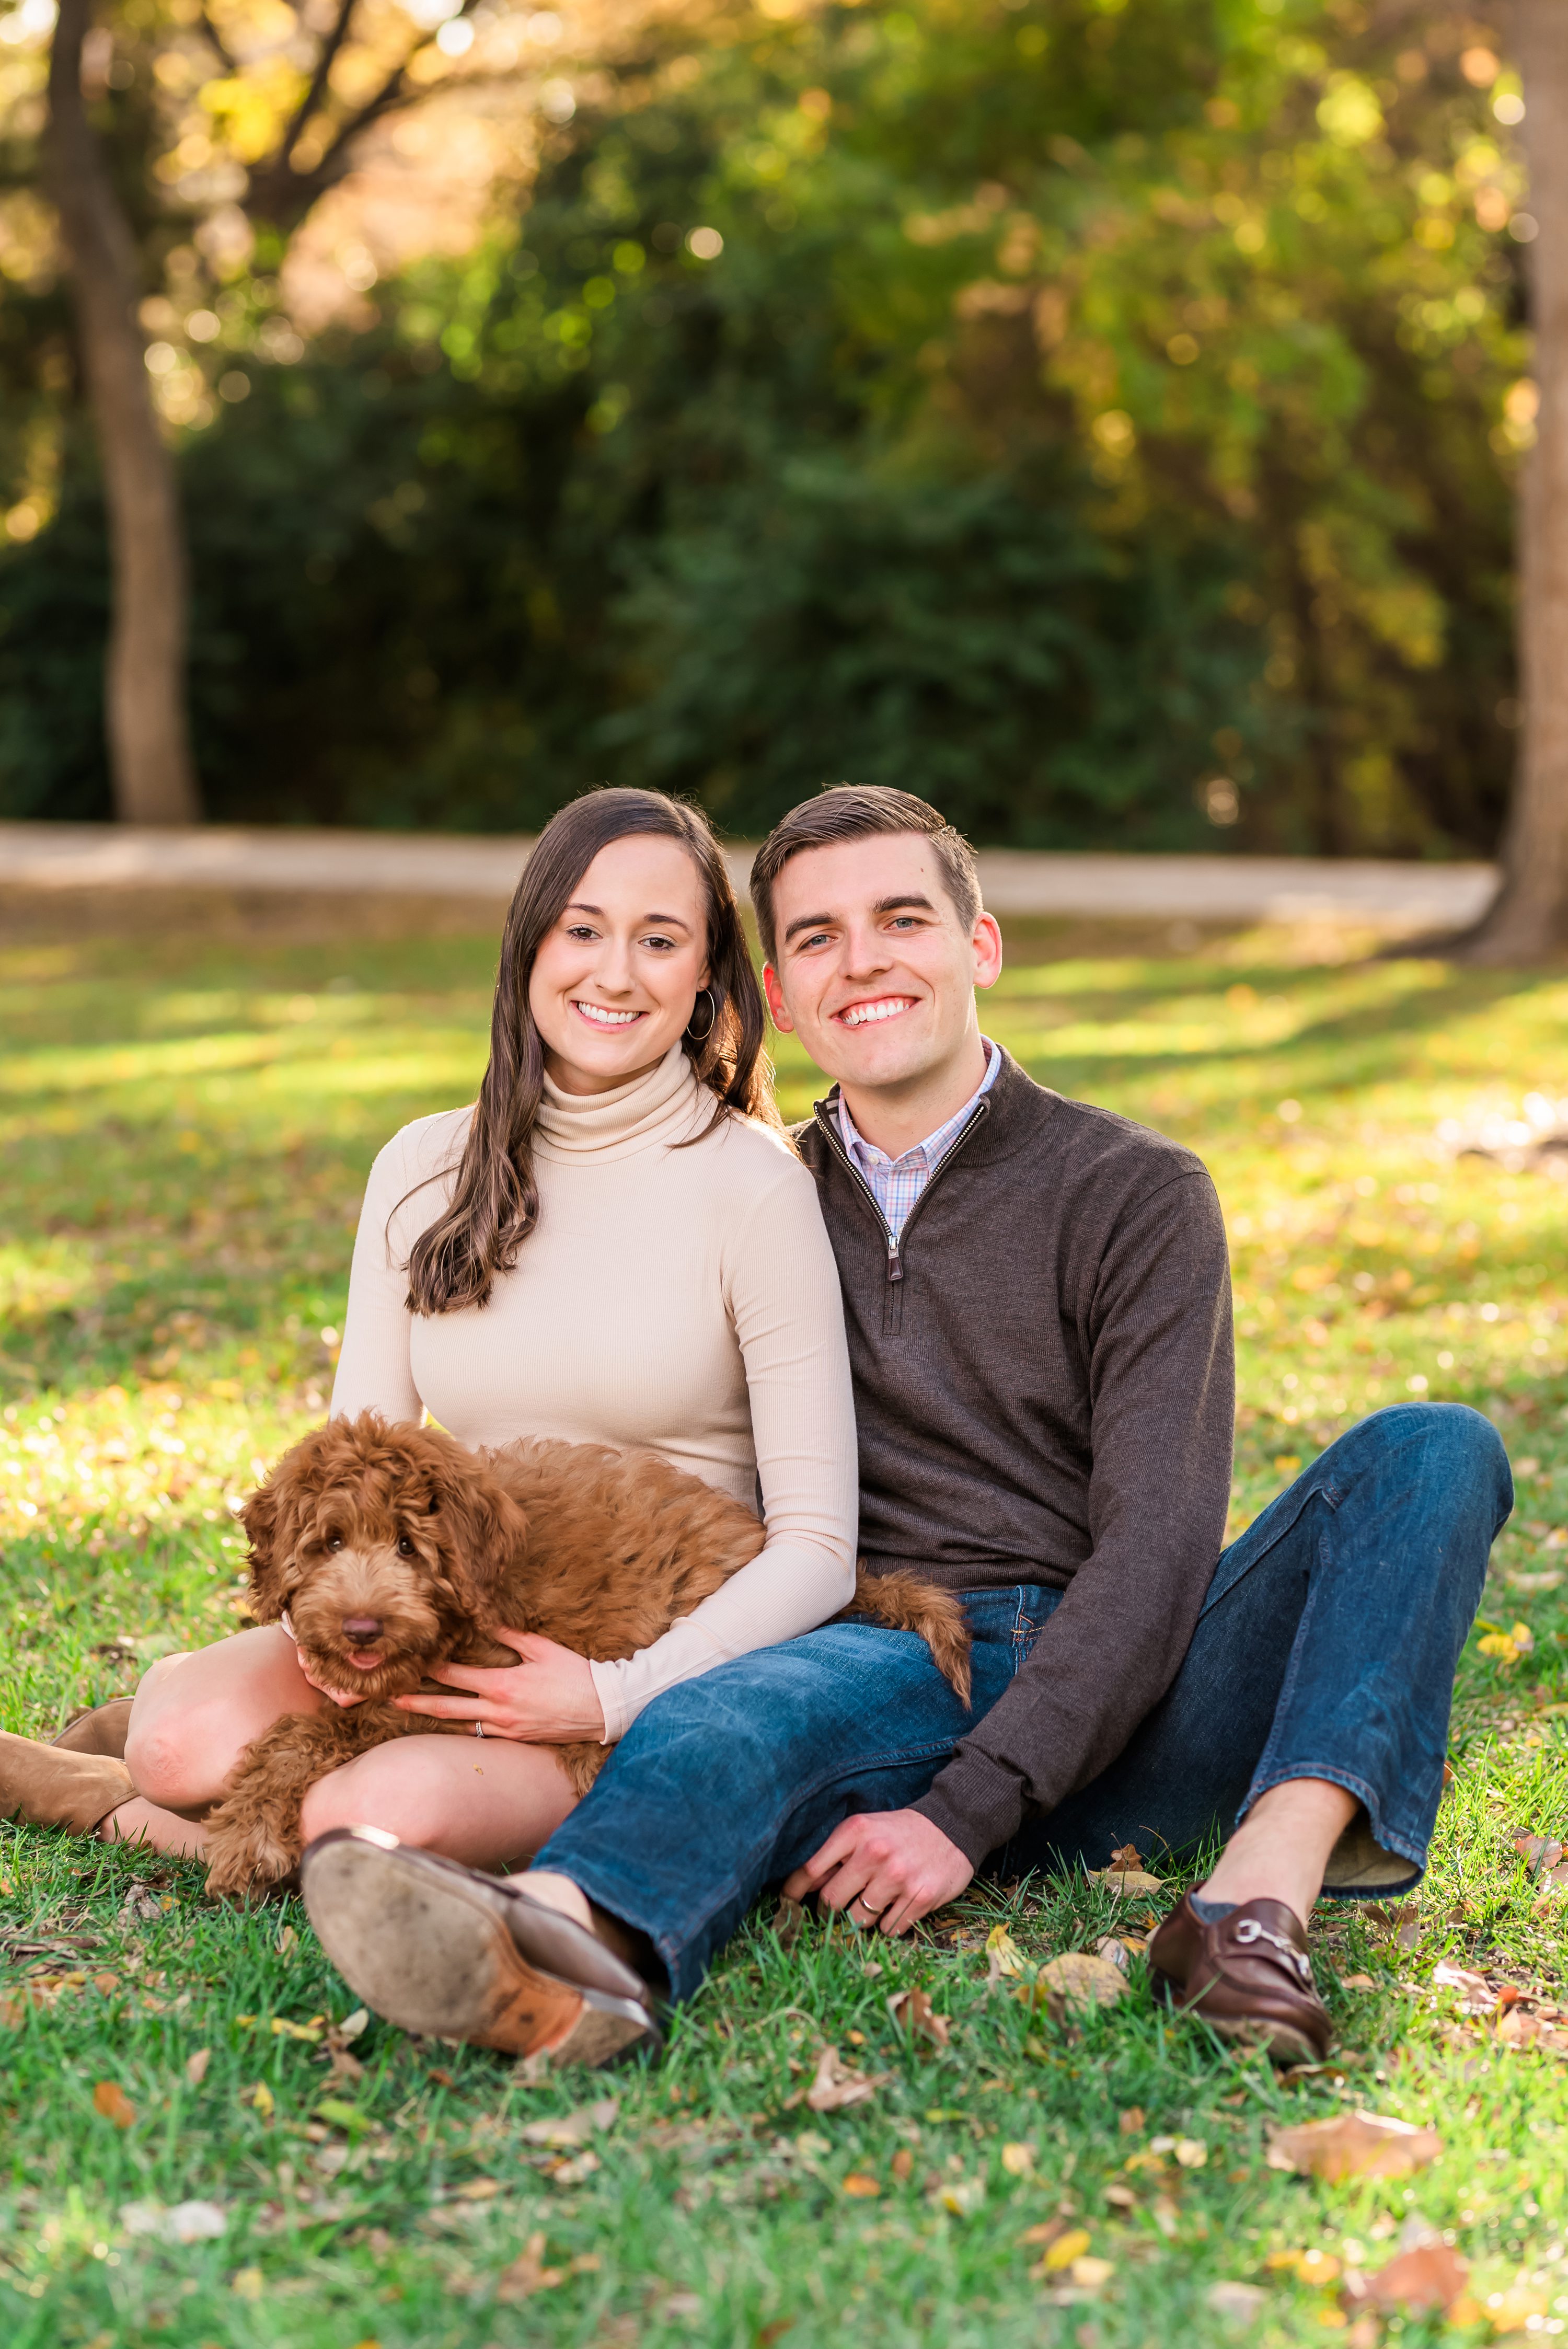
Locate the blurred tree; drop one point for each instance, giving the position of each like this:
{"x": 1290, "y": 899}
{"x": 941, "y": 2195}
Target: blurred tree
{"x": 1102, "y": 421}
{"x": 1530, "y": 915}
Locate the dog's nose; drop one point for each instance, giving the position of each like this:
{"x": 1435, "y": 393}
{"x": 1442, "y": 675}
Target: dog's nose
{"x": 362, "y": 1627}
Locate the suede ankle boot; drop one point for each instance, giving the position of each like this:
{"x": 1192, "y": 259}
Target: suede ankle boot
{"x": 101, "y": 1729}
{"x": 51, "y": 1786}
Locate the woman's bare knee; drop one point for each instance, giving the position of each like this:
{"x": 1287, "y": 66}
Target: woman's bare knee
{"x": 378, "y": 1790}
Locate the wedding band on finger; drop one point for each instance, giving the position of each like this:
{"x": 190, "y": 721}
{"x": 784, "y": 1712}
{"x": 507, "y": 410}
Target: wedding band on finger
{"x": 478, "y": 1729}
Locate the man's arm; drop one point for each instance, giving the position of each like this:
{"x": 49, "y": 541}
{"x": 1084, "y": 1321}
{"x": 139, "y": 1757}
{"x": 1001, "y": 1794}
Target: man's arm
{"x": 1163, "y": 1396}
{"x": 1163, "y": 1400}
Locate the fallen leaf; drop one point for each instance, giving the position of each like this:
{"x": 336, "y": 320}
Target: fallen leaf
{"x": 1114, "y": 1953}
{"x": 1067, "y": 2248}
{"x": 1004, "y": 1958}
{"x": 247, "y": 2282}
{"x": 352, "y": 2025}
{"x": 574, "y": 2172}
{"x": 964, "y": 2196}
{"x": 1432, "y": 2275}
{"x": 774, "y": 2332}
{"x": 1242, "y": 2303}
{"x": 574, "y": 2127}
{"x": 1126, "y": 1855}
{"x": 902, "y": 2165}
{"x": 1130, "y": 2121}
{"x": 196, "y": 2066}
{"x": 287, "y": 1941}
{"x": 1091, "y": 2273}
{"x": 110, "y": 2100}
{"x": 1045, "y": 2231}
{"x": 1075, "y": 1978}
{"x": 1539, "y": 1853}
{"x": 528, "y": 2273}
{"x": 474, "y": 2189}
{"x": 193, "y": 2222}
{"x": 858, "y": 2184}
{"x": 1190, "y": 2152}
{"x": 1018, "y": 2161}
{"x": 1358, "y": 1982}
{"x": 1512, "y": 2311}
{"x": 1127, "y": 1883}
{"x": 106, "y": 1984}
{"x": 260, "y": 2099}
{"x": 787, "y": 1919}
{"x": 683, "y": 2304}
{"x": 1354, "y": 2144}
{"x": 911, "y": 2010}
{"x": 834, "y": 2085}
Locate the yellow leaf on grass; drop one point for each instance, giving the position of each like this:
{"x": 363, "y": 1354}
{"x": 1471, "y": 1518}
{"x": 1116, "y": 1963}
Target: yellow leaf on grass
{"x": 1091, "y": 2273}
{"x": 247, "y": 2282}
{"x": 110, "y": 2100}
{"x": 1003, "y": 1955}
{"x": 1125, "y": 1882}
{"x": 283, "y": 2029}
{"x": 858, "y": 2183}
{"x": 1075, "y": 1978}
{"x": 1018, "y": 2161}
{"x": 1348, "y": 2145}
{"x": 260, "y": 2099}
{"x": 1065, "y": 2249}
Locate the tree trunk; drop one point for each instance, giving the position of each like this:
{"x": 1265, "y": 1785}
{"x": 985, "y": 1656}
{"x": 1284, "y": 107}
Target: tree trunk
{"x": 1530, "y": 916}
{"x": 148, "y": 745}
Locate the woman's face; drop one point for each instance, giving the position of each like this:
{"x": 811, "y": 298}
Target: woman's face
{"x": 615, "y": 981}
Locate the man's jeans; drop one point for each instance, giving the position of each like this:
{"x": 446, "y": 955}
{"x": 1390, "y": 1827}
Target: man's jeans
{"x": 1326, "y": 1648}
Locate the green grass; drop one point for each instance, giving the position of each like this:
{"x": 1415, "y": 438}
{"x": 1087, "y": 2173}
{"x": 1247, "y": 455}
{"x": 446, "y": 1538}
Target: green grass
{"x": 187, "y": 1111}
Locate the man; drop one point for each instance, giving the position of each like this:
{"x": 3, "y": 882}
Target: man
{"x": 1038, "y": 1300}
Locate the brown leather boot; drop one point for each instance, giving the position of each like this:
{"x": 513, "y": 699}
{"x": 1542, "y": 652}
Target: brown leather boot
{"x": 51, "y": 1786}
{"x": 102, "y": 1729}
{"x": 1247, "y": 1976}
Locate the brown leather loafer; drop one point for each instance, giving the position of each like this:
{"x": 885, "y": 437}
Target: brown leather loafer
{"x": 450, "y": 1954}
{"x": 1248, "y": 1977}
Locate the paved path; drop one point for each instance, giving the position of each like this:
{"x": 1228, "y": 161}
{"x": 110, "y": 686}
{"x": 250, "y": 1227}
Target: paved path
{"x": 1383, "y": 894}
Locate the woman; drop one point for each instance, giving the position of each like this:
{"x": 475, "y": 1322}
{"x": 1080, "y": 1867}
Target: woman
{"x": 615, "y": 1245}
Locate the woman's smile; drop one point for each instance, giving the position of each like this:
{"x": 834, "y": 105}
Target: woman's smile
{"x": 599, "y": 1015}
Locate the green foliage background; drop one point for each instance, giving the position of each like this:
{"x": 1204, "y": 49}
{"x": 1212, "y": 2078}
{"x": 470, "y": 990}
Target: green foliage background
{"x": 1091, "y": 402}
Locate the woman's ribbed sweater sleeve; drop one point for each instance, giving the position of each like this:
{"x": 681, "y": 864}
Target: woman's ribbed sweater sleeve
{"x": 781, "y": 1286}
{"x": 372, "y": 1369}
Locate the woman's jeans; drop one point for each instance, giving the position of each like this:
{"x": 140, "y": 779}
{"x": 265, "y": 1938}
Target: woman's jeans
{"x": 1326, "y": 1648}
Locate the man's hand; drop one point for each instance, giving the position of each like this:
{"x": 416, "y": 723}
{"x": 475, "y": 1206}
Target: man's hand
{"x": 548, "y": 1699}
{"x": 885, "y": 1868}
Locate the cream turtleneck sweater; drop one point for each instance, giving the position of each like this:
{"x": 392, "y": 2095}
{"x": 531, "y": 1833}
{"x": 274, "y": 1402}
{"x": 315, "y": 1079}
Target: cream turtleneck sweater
{"x": 684, "y": 1300}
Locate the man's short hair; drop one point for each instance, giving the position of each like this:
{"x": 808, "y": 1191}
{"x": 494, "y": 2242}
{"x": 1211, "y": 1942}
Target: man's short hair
{"x": 861, "y": 812}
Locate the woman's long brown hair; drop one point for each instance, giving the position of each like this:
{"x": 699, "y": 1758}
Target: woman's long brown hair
{"x": 495, "y": 1201}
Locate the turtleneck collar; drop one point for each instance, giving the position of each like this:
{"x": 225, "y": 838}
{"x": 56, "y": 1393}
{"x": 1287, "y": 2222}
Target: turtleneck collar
{"x": 659, "y": 1108}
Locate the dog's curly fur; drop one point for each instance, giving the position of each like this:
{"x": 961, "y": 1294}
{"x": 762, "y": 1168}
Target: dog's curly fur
{"x": 393, "y": 1550}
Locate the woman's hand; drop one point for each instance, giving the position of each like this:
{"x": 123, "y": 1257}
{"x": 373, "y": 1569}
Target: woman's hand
{"x": 547, "y": 1700}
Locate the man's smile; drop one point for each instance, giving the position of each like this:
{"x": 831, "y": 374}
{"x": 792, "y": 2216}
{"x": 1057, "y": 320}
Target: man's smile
{"x": 879, "y": 1007}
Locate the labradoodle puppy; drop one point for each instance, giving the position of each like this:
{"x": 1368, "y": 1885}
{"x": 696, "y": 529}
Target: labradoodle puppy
{"x": 390, "y": 1551}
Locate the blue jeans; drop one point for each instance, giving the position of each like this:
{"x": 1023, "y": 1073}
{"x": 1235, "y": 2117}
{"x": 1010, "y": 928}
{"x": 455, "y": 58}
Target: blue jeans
{"x": 1326, "y": 1649}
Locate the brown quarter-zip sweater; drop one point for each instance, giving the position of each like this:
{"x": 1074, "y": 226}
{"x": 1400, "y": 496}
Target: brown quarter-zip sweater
{"x": 1044, "y": 1392}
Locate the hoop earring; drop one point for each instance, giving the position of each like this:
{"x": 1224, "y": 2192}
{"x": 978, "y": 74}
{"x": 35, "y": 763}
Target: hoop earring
{"x": 712, "y": 1017}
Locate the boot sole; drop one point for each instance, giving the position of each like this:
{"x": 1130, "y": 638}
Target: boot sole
{"x": 429, "y": 1953}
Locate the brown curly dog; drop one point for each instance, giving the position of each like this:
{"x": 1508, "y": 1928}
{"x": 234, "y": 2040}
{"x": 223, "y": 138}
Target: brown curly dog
{"x": 391, "y": 1550}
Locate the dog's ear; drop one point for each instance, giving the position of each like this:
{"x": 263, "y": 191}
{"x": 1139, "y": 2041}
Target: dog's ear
{"x": 483, "y": 1529}
{"x": 272, "y": 1519}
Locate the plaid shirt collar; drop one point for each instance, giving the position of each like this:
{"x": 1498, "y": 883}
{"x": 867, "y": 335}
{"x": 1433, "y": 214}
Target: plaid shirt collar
{"x": 897, "y": 1183}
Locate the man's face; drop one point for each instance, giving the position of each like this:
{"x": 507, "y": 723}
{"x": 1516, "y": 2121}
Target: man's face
{"x": 876, "y": 973}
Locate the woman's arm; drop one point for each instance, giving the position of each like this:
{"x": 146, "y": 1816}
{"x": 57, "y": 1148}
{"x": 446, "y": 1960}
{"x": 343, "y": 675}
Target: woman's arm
{"x": 373, "y": 1369}
{"x": 782, "y": 1287}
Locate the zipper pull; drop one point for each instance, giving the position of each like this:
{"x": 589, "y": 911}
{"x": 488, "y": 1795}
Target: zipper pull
{"x": 894, "y": 1262}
